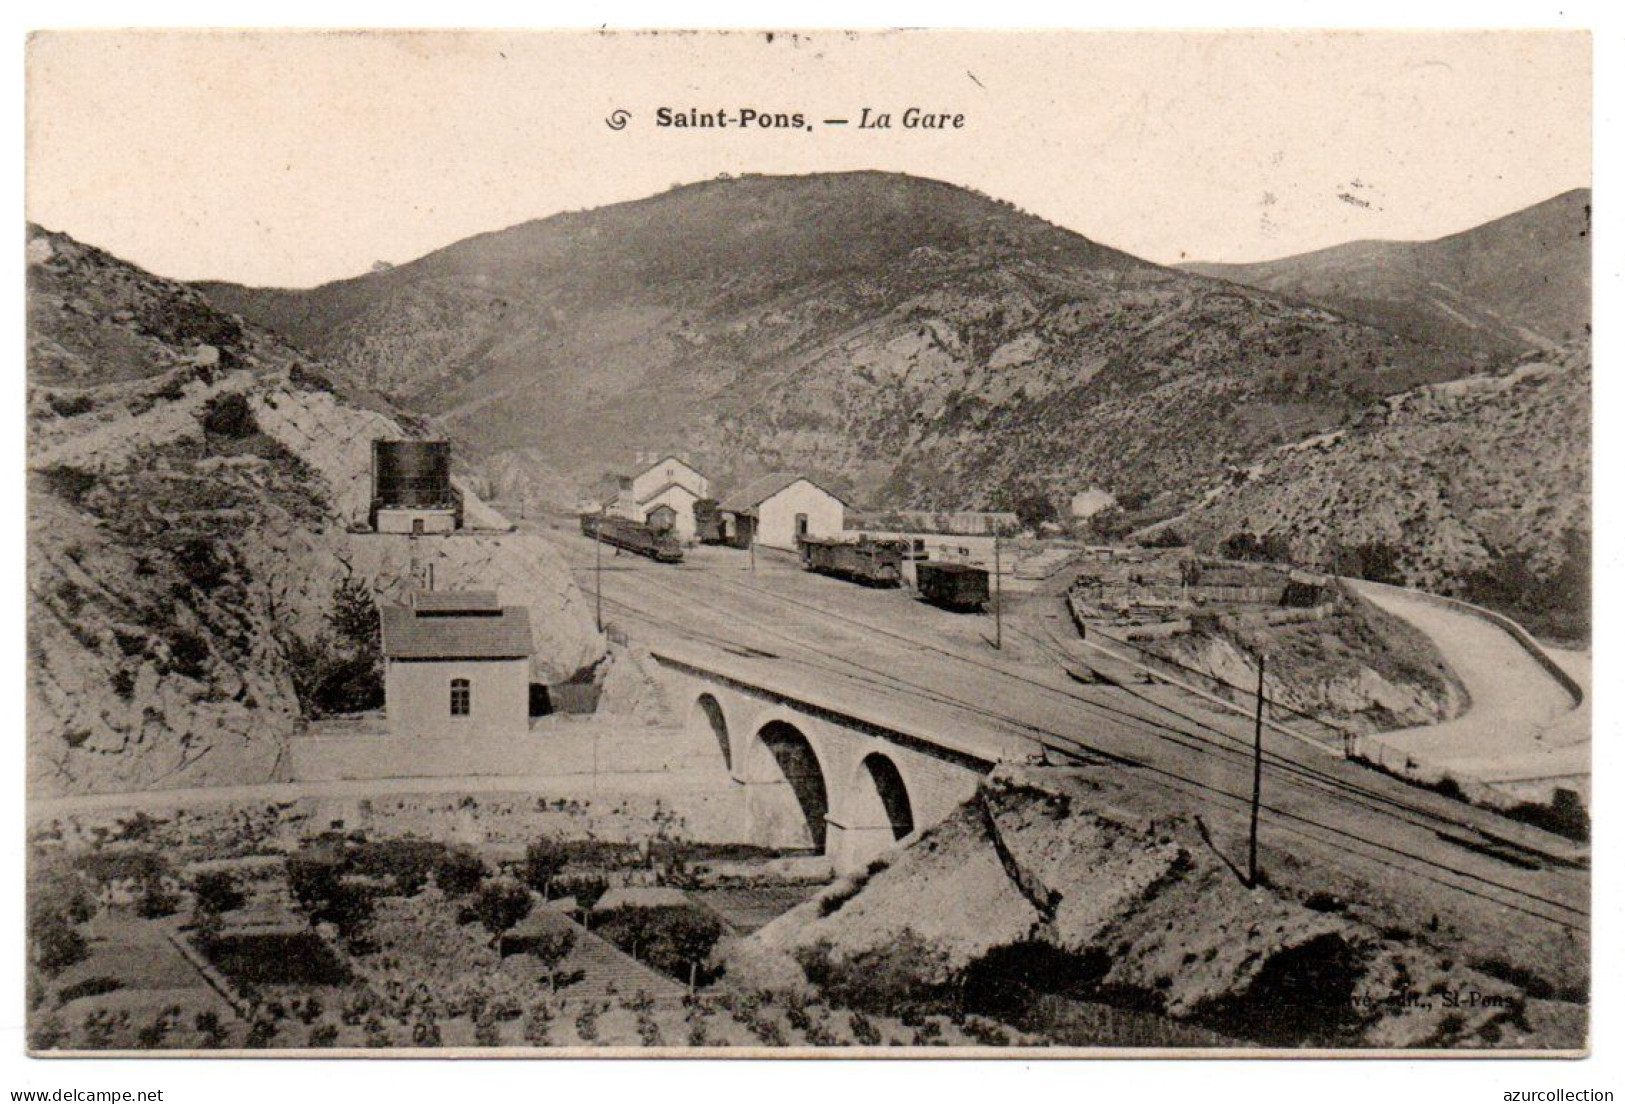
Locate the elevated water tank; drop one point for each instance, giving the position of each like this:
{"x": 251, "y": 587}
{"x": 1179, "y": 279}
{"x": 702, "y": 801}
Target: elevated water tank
{"x": 412, "y": 474}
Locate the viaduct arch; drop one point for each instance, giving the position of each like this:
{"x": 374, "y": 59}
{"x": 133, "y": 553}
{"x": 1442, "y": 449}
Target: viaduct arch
{"x": 814, "y": 779}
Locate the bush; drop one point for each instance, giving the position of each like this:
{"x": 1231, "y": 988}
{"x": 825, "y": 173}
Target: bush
{"x": 551, "y": 948}
{"x": 229, "y": 416}
{"x": 500, "y": 905}
{"x": 212, "y": 1034}
{"x": 545, "y": 860}
{"x": 675, "y": 940}
{"x": 57, "y": 943}
{"x": 408, "y": 863}
{"x": 905, "y": 976}
{"x": 459, "y": 873}
{"x": 216, "y": 892}
{"x": 539, "y": 1023}
{"x": 587, "y": 889}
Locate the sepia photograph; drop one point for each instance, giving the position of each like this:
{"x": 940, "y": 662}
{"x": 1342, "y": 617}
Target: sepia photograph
{"x": 808, "y": 543}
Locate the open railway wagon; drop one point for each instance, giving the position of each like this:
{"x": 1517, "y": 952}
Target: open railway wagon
{"x": 870, "y": 562}
{"x": 952, "y": 585}
{"x": 658, "y": 545}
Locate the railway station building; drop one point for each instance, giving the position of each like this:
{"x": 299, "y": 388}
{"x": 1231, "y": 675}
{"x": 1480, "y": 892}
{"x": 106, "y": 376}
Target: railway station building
{"x": 777, "y": 509}
{"x": 456, "y": 664}
{"x": 662, "y": 496}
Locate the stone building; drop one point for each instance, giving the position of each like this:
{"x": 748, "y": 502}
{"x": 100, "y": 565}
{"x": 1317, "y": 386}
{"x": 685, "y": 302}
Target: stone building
{"x": 456, "y": 663}
{"x": 777, "y": 509}
{"x": 662, "y": 495}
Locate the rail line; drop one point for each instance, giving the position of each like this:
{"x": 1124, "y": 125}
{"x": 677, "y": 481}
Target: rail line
{"x": 1366, "y": 797}
{"x": 1292, "y": 823}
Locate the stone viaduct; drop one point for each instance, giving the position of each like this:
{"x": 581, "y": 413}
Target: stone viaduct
{"x": 818, "y": 777}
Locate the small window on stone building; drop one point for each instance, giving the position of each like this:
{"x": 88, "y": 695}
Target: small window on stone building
{"x": 460, "y": 697}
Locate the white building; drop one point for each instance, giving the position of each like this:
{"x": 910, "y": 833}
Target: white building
{"x": 669, "y": 482}
{"x": 778, "y": 508}
{"x": 456, "y": 664}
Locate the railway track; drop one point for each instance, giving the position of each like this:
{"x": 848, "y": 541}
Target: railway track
{"x": 1186, "y": 732}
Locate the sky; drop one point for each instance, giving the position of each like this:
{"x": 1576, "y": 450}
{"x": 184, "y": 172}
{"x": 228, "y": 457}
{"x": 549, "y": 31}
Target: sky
{"x": 291, "y": 159}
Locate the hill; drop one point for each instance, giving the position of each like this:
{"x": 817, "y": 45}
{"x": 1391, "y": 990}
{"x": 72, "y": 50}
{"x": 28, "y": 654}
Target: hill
{"x": 197, "y": 591}
{"x": 1518, "y": 282}
{"x": 1478, "y": 487}
{"x": 908, "y": 341}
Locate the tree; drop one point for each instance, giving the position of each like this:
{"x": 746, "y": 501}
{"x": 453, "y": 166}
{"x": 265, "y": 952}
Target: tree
{"x": 551, "y": 948}
{"x": 316, "y": 881}
{"x": 1033, "y": 509}
{"x": 57, "y": 943}
{"x": 500, "y": 905}
{"x": 545, "y": 860}
{"x": 459, "y": 873}
{"x": 216, "y": 892}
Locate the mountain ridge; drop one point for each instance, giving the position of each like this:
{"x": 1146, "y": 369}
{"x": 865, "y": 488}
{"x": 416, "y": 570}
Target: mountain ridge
{"x": 906, "y": 340}
{"x": 1516, "y": 282}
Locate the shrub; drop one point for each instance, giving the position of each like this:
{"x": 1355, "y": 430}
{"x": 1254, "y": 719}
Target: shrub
{"x": 57, "y": 944}
{"x": 539, "y": 1023}
{"x": 229, "y": 416}
{"x": 545, "y": 860}
{"x": 212, "y": 1034}
{"x": 90, "y": 987}
{"x": 501, "y": 904}
{"x": 908, "y": 974}
{"x": 156, "y": 899}
{"x": 406, "y": 862}
{"x": 261, "y": 1034}
{"x": 487, "y": 1032}
{"x": 551, "y": 948}
{"x": 864, "y": 1030}
{"x": 216, "y": 892}
{"x": 459, "y": 873}
{"x": 673, "y": 939}
{"x": 587, "y": 889}
{"x": 426, "y": 1032}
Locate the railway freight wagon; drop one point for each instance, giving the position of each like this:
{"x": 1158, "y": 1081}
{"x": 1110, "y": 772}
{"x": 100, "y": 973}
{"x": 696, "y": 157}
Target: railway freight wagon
{"x": 659, "y": 545}
{"x": 953, "y": 586}
{"x": 870, "y": 562}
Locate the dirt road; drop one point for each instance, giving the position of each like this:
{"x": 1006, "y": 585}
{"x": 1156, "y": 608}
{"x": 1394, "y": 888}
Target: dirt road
{"x": 1521, "y": 723}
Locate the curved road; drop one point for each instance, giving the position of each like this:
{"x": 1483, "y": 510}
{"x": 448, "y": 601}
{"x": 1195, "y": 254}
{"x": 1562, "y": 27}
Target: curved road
{"x": 1521, "y": 723}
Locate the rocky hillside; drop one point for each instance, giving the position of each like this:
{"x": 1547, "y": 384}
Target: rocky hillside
{"x": 909, "y": 341}
{"x": 1519, "y": 282}
{"x": 1054, "y": 892}
{"x": 193, "y": 485}
{"x": 1480, "y": 486}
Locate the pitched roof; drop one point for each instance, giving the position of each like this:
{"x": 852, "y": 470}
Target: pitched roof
{"x": 672, "y": 458}
{"x": 754, "y": 494}
{"x": 456, "y": 633}
{"x": 666, "y": 487}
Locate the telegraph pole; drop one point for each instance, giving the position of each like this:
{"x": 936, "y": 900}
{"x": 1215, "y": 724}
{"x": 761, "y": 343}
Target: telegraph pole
{"x": 998, "y": 597}
{"x": 1258, "y": 778}
{"x": 598, "y": 580}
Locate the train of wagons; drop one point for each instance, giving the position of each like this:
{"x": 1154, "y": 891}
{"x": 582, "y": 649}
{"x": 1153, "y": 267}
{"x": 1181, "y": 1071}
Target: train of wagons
{"x": 659, "y": 545}
{"x": 879, "y": 563}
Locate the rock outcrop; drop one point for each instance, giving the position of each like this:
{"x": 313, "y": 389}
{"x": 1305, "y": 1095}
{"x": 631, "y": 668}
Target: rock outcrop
{"x": 194, "y": 497}
{"x": 1064, "y": 882}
